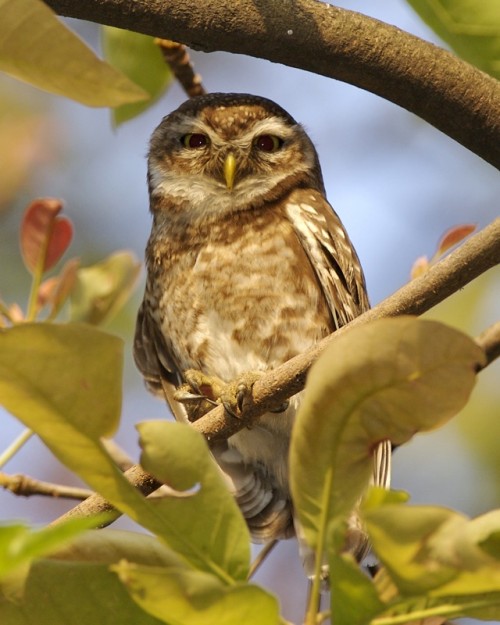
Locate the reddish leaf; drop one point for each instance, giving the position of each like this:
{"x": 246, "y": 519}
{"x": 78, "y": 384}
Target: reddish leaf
{"x": 453, "y": 236}
{"x": 420, "y": 266}
{"x": 65, "y": 284}
{"x": 44, "y": 236}
{"x": 15, "y": 313}
{"x": 46, "y": 292}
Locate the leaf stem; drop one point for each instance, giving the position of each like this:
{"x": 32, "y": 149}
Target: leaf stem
{"x": 13, "y": 448}
{"x": 447, "y": 610}
{"x": 35, "y": 287}
{"x": 38, "y": 275}
{"x": 314, "y": 596}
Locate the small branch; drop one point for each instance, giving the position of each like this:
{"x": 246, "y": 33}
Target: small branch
{"x": 474, "y": 257}
{"x": 25, "y": 486}
{"x": 489, "y": 341}
{"x": 177, "y": 58}
{"x": 96, "y": 504}
{"x": 121, "y": 459}
{"x": 261, "y": 557}
{"x": 450, "y": 94}
{"x": 14, "y": 447}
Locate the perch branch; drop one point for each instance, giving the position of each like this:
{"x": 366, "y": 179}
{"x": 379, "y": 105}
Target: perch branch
{"x": 478, "y": 254}
{"x": 450, "y": 94}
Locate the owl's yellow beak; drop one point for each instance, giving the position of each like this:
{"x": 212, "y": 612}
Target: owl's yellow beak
{"x": 230, "y": 170}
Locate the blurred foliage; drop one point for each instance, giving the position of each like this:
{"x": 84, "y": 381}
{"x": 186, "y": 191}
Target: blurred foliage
{"x": 470, "y": 27}
{"x": 478, "y": 422}
{"x": 36, "y": 47}
{"x": 26, "y": 142}
{"x": 139, "y": 58}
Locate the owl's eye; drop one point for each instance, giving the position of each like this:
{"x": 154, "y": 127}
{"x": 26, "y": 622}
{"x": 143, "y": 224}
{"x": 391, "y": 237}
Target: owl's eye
{"x": 194, "y": 140}
{"x": 268, "y": 143}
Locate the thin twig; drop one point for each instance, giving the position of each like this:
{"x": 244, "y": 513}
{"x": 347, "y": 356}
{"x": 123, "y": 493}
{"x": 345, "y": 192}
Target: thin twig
{"x": 120, "y": 457}
{"x": 489, "y": 341}
{"x": 176, "y": 56}
{"x": 25, "y": 486}
{"x": 96, "y": 504}
{"x": 15, "y": 446}
{"x": 261, "y": 556}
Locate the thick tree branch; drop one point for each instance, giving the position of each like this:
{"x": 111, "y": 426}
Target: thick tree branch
{"x": 450, "y": 94}
{"x": 480, "y": 253}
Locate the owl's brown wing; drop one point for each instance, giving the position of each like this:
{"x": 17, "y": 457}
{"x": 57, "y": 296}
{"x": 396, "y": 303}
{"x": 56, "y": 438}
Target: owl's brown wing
{"x": 156, "y": 362}
{"x": 331, "y": 254}
{"x": 339, "y": 274}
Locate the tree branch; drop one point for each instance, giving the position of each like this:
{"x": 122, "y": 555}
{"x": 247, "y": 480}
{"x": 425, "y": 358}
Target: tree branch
{"x": 478, "y": 254}
{"x": 450, "y": 94}
{"x": 26, "y": 486}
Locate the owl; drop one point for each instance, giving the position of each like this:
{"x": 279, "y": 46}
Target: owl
{"x": 247, "y": 266}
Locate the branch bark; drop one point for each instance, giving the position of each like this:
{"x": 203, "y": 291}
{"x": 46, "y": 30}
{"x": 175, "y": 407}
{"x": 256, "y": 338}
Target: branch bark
{"x": 480, "y": 253}
{"x": 450, "y": 94}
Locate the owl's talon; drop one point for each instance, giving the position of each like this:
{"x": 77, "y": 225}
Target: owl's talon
{"x": 183, "y": 396}
{"x": 199, "y": 393}
{"x": 238, "y": 392}
{"x": 283, "y": 407}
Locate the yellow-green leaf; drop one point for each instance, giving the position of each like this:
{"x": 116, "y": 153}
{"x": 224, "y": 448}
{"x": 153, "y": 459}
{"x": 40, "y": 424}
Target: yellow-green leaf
{"x": 57, "y": 378}
{"x": 20, "y": 545}
{"x": 184, "y": 596}
{"x": 36, "y": 47}
{"x": 139, "y": 58}
{"x": 385, "y": 380}
{"x": 470, "y": 27}
{"x": 72, "y": 593}
{"x": 102, "y": 289}
{"x": 437, "y": 555}
{"x": 177, "y": 455}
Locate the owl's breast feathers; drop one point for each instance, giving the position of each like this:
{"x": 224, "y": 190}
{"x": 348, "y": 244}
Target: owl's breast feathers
{"x": 253, "y": 289}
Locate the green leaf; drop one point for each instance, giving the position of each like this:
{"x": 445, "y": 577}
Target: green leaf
{"x": 354, "y": 599}
{"x": 139, "y": 58}
{"x": 61, "y": 379}
{"x": 437, "y": 558}
{"x": 184, "y": 596}
{"x": 20, "y": 545}
{"x": 71, "y": 593}
{"x": 385, "y": 380}
{"x": 177, "y": 455}
{"x": 102, "y": 289}
{"x": 36, "y": 47}
{"x": 470, "y": 27}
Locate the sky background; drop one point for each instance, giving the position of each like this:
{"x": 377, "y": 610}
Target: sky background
{"x": 397, "y": 183}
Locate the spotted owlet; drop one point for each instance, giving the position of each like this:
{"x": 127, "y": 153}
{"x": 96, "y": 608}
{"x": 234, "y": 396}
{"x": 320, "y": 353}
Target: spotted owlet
{"x": 247, "y": 266}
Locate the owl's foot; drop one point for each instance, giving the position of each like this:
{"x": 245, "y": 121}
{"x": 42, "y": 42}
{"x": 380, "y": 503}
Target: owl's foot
{"x": 199, "y": 393}
{"x": 238, "y": 392}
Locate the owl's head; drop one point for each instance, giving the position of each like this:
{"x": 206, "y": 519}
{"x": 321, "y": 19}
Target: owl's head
{"x": 221, "y": 153}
